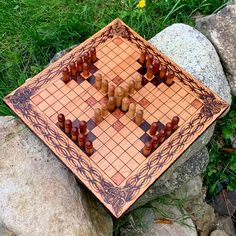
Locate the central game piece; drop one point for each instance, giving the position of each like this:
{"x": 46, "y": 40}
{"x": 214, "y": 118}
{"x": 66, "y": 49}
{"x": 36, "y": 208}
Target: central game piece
{"x": 117, "y": 112}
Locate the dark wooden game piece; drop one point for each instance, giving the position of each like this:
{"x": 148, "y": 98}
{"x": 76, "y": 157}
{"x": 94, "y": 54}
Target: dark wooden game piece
{"x": 73, "y": 70}
{"x": 89, "y": 147}
{"x": 149, "y": 71}
{"x": 170, "y": 77}
{"x": 86, "y": 58}
{"x": 85, "y": 69}
{"x": 65, "y": 75}
{"x": 163, "y": 70}
{"x": 104, "y": 109}
{"x": 98, "y": 81}
{"x": 161, "y": 136}
{"x": 125, "y": 104}
{"x": 79, "y": 63}
{"x": 138, "y": 82}
{"x": 93, "y": 54}
{"x": 97, "y": 115}
{"x": 74, "y": 134}
{"x": 153, "y": 128}
{"x": 156, "y": 67}
{"x": 68, "y": 126}
{"x": 131, "y": 111}
{"x": 111, "y": 90}
{"x": 174, "y": 122}
{"x": 168, "y": 128}
{"x": 111, "y": 104}
{"x": 154, "y": 141}
{"x": 83, "y": 127}
{"x": 81, "y": 140}
{"x": 118, "y": 96}
{"x": 149, "y": 60}
{"x": 138, "y": 117}
{"x": 147, "y": 148}
{"x": 104, "y": 87}
{"x": 61, "y": 121}
{"x": 142, "y": 58}
{"x": 131, "y": 87}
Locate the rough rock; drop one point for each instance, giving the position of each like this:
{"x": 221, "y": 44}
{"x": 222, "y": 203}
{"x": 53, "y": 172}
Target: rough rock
{"x": 192, "y": 190}
{"x": 226, "y": 224}
{"x": 194, "y": 52}
{"x": 218, "y": 233}
{"x": 181, "y": 223}
{"x": 185, "y": 168}
{"x": 220, "y": 29}
{"x": 202, "y": 214}
{"x": 38, "y": 195}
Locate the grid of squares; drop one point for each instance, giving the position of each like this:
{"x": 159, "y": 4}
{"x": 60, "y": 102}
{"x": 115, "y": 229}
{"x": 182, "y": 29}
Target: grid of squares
{"x": 118, "y": 139}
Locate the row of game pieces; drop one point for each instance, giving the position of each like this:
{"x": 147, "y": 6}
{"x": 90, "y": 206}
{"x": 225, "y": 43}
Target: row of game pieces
{"x": 100, "y": 113}
{"x": 82, "y": 64}
{"x": 106, "y": 88}
{"x": 154, "y": 67}
{"x": 75, "y": 133}
{"x": 159, "y": 138}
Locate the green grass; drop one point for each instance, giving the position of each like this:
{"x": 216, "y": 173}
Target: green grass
{"x": 221, "y": 170}
{"x": 33, "y": 31}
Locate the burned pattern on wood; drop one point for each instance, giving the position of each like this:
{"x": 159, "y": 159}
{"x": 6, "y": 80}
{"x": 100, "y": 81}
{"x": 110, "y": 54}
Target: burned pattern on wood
{"x": 117, "y": 112}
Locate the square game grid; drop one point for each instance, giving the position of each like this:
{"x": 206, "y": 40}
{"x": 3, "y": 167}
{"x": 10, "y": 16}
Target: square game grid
{"x": 117, "y": 163}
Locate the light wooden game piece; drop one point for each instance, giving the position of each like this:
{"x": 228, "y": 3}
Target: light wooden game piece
{"x": 111, "y": 90}
{"x": 168, "y": 128}
{"x": 161, "y": 136}
{"x": 125, "y": 104}
{"x": 126, "y": 90}
{"x": 81, "y": 140}
{"x": 156, "y": 67}
{"x": 74, "y": 134}
{"x": 170, "y": 77}
{"x": 104, "y": 109}
{"x": 65, "y": 75}
{"x": 142, "y": 58}
{"x": 93, "y": 54}
{"x": 131, "y": 87}
{"x": 85, "y": 69}
{"x": 61, "y": 121}
{"x": 73, "y": 70}
{"x": 154, "y": 141}
{"x": 82, "y": 127}
{"x": 118, "y": 96}
{"x": 97, "y": 115}
{"x": 79, "y": 63}
{"x": 104, "y": 87}
{"x": 138, "y": 82}
{"x": 131, "y": 111}
{"x": 149, "y": 71}
{"x": 163, "y": 70}
{"x": 138, "y": 117}
{"x": 147, "y": 148}
{"x": 111, "y": 104}
{"x": 174, "y": 122}
{"x": 98, "y": 81}
{"x": 68, "y": 126}
{"x": 149, "y": 60}
{"x": 89, "y": 147}
{"x": 153, "y": 128}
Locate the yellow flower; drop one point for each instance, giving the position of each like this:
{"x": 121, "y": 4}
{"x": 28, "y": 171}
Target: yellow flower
{"x": 141, "y": 4}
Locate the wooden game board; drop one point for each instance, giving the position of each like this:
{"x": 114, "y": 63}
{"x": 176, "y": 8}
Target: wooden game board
{"x": 117, "y": 172}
